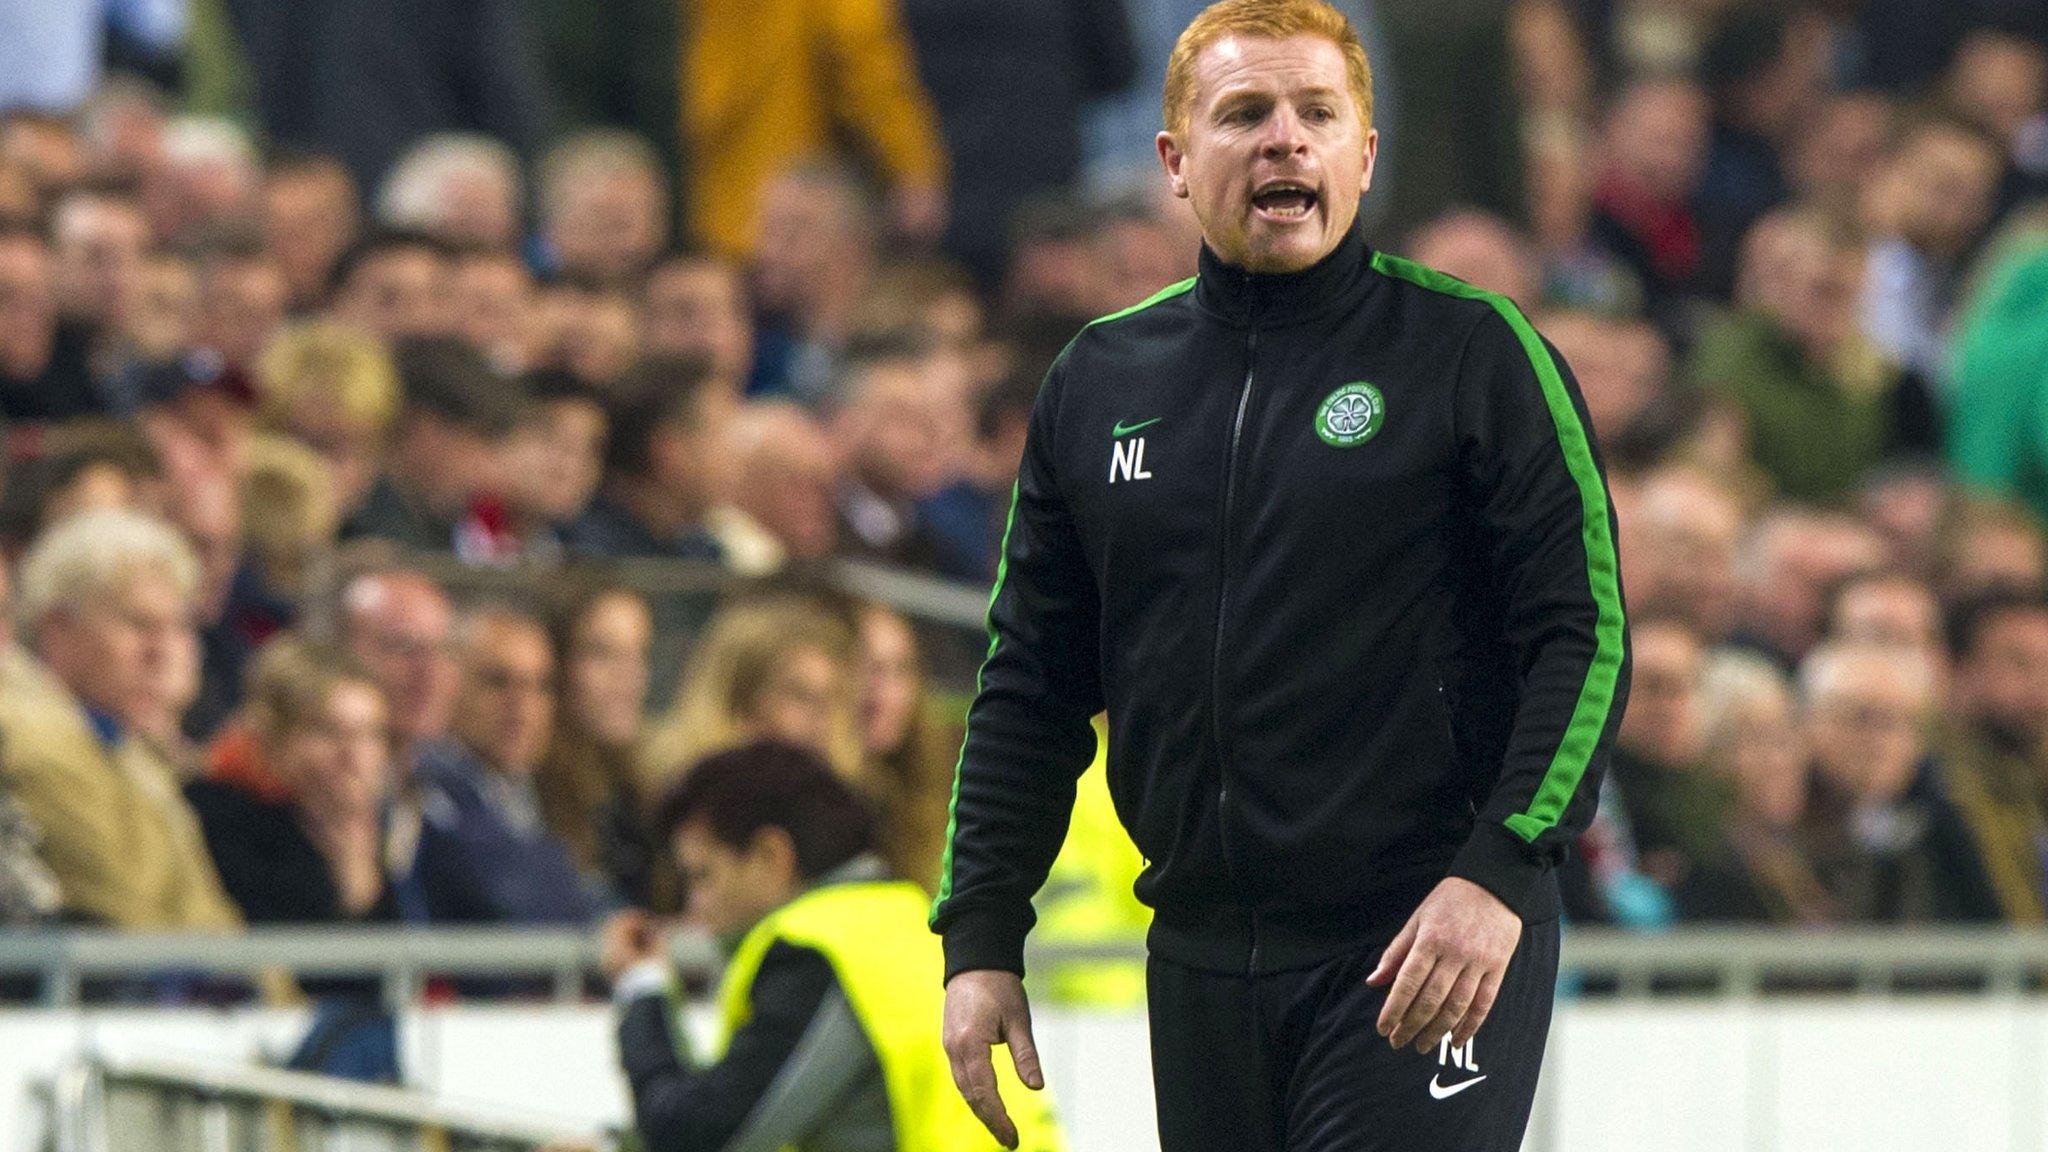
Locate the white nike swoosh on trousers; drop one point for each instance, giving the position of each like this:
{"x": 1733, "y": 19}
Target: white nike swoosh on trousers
{"x": 1440, "y": 1092}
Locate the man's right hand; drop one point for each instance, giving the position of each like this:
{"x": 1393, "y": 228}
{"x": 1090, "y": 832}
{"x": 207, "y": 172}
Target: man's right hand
{"x": 985, "y": 1008}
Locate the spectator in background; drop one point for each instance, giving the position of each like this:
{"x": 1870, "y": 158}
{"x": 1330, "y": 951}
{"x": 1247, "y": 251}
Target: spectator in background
{"x": 1927, "y": 206}
{"x": 359, "y": 83}
{"x": 46, "y": 146}
{"x": 1766, "y": 69}
{"x": 1577, "y": 271}
{"x": 242, "y": 300}
{"x": 45, "y": 362}
{"x": 1788, "y": 562}
{"x": 122, "y": 127}
{"x": 445, "y": 446}
{"x": 696, "y": 306}
{"x": 1753, "y": 740}
{"x": 395, "y": 285}
{"x": 1986, "y": 545}
{"x": 231, "y": 628}
{"x": 662, "y": 472}
{"x": 888, "y": 421}
{"x": 553, "y": 459}
{"x": 1682, "y": 537}
{"x": 1791, "y": 360}
{"x": 2000, "y": 82}
{"x": 461, "y": 188}
{"x": 1654, "y": 150}
{"x": 1624, "y": 371}
{"x": 496, "y": 308}
{"x": 781, "y": 667}
{"x": 1481, "y": 249}
{"x": 1832, "y": 161}
{"x": 196, "y": 417}
{"x": 967, "y": 517}
{"x": 485, "y": 853}
{"x": 84, "y": 466}
{"x": 204, "y": 184}
{"x": 334, "y": 389}
{"x": 397, "y": 624}
{"x": 1673, "y": 806}
{"x": 1887, "y": 842}
{"x": 786, "y": 472}
{"x": 1998, "y": 430}
{"x": 311, "y": 215}
{"x": 812, "y": 267}
{"x": 29, "y": 892}
{"x": 590, "y": 795}
{"x": 1995, "y": 742}
{"x": 290, "y": 518}
{"x": 162, "y": 321}
{"x": 771, "y": 85}
{"x": 590, "y": 330}
{"x": 908, "y": 744}
{"x": 1893, "y": 610}
{"x": 99, "y": 246}
{"x": 293, "y": 803}
{"x": 105, "y": 601}
{"x": 1010, "y": 81}
{"x": 604, "y": 208}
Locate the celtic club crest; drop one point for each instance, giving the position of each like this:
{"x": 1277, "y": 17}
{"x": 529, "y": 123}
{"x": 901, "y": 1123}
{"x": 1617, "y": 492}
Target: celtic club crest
{"x": 1351, "y": 415}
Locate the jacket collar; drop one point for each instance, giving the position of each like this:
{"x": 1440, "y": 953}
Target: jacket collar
{"x": 1249, "y": 299}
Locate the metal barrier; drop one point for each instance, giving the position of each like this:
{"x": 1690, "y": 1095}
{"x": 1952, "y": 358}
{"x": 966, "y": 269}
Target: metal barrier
{"x": 100, "y": 1105}
{"x": 1702, "y": 961}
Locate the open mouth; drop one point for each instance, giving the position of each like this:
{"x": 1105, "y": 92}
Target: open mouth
{"x": 1284, "y": 200}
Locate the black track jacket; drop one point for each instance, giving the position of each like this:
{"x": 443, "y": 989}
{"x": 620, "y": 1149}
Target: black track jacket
{"x": 1334, "y": 550}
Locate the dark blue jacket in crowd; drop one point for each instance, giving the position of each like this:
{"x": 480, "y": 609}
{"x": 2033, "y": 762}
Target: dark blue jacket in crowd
{"x": 484, "y": 855}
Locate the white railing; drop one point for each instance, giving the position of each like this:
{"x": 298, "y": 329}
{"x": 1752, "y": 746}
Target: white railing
{"x": 103, "y": 1105}
{"x": 1744, "y": 962}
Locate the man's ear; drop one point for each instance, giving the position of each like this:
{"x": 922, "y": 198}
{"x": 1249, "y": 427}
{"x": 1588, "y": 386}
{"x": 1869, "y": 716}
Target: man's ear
{"x": 1171, "y": 158}
{"x": 774, "y": 851}
{"x": 1372, "y": 151}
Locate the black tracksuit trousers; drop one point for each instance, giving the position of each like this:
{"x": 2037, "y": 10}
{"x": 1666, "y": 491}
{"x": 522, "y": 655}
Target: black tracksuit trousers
{"x": 1290, "y": 1061}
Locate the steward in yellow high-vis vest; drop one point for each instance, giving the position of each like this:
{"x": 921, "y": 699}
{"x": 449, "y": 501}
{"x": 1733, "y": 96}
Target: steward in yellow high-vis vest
{"x": 831, "y": 1003}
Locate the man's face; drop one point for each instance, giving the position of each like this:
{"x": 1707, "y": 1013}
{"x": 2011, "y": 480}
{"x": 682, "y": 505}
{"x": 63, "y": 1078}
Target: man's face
{"x": 28, "y": 314}
{"x": 244, "y": 303}
{"x": 1662, "y": 722}
{"x": 1868, "y": 726}
{"x": 1952, "y": 182}
{"x": 794, "y": 472}
{"x": 698, "y": 308}
{"x": 100, "y": 246}
{"x": 505, "y": 706}
{"x": 493, "y": 304}
{"x": 2004, "y": 682}
{"x": 398, "y": 626}
{"x": 1275, "y": 154}
{"x": 610, "y": 226}
{"x": 116, "y": 652}
{"x": 731, "y": 889}
{"x": 810, "y": 237}
{"x": 1657, "y": 137}
{"x": 309, "y": 219}
{"x": 209, "y": 515}
{"x": 398, "y": 292}
{"x": 893, "y": 430}
{"x": 555, "y": 459}
{"x": 163, "y": 318}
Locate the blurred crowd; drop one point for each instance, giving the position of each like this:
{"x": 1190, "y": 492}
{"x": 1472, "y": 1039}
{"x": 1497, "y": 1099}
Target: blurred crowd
{"x": 439, "y": 290}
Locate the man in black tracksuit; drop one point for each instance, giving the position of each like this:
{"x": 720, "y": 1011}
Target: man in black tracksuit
{"x": 1325, "y": 533}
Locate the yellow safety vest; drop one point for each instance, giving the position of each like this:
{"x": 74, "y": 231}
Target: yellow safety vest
{"x": 890, "y": 968}
{"x": 1087, "y": 899}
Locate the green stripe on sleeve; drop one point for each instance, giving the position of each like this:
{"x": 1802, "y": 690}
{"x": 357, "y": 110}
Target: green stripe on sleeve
{"x": 1596, "y": 695}
{"x": 1003, "y": 570}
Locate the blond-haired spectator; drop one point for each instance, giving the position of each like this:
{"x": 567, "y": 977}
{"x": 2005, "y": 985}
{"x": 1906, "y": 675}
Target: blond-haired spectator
{"x": 334, "y": 389}
{"x": 105, "y": 603}
{"x": 781, "y": 667}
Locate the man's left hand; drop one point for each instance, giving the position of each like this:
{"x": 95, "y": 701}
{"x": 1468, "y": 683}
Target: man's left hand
{"x": 1446, "y": 966}
{"x": 628, "y": 939}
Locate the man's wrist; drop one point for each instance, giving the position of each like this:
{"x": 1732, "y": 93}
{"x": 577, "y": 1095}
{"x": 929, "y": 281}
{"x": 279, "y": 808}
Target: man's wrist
{"x": 1500, "y": 862}
{"x": 985, "y": 939}
{"x": 649, "y": 977}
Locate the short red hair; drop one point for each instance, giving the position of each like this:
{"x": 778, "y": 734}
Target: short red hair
{"x": 1268, "y": 19}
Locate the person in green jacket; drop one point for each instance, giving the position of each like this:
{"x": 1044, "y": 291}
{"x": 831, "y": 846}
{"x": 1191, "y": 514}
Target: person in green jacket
{"x": 1998, "y": 425}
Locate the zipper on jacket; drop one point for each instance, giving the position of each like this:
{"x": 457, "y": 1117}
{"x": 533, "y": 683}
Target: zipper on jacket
{"x": 1244, "y": 396}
